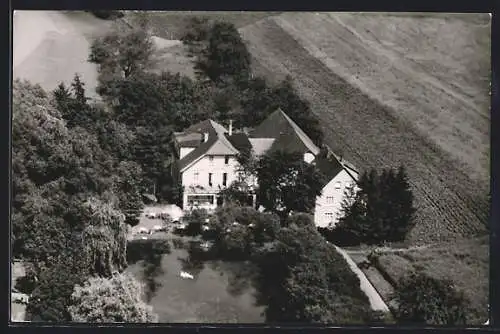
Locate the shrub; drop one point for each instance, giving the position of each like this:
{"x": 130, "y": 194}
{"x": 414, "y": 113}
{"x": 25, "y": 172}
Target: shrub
{"x": 115, "y": 299}
{"x": 381, "y": 210}
{"x": 426, "y": 300}
{"x": 195, "y": 220}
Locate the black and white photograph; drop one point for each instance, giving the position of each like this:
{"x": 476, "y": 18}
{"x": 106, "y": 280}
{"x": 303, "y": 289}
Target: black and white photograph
{"x": 244, "y": 167}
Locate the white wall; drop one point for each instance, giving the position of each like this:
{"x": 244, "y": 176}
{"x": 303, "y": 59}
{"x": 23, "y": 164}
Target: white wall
{"x": 325, "y": 205}
{"x": 204, "y": 166}
{"x": 185, "y": 151}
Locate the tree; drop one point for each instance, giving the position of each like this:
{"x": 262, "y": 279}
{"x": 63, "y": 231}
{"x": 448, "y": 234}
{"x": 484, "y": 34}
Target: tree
{"x": 129, "y": 190}
{"x": 78, "y": 87}
{"x": 51, "y": 297}
{"x": 104, "y": 238}
{"x": 381, "y": 210}
{"x": 304, "y": 279}
{"x": 123, "y": 53}
{"x": 287, "y": 183}
{"x": 225, "y": 56}
{"x": 238, "y": 231}
{"x": 424, "y": 300}
{"x": 63, "y": 98}
{"x": 195, "y": 220}
{"x": 197, "y": 30}
{"x": 114, "y": 299}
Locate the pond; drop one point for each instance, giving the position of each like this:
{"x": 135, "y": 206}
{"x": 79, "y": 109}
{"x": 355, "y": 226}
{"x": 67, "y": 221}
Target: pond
{"x": 220, "y": 292}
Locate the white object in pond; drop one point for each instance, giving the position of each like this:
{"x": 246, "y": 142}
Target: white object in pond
{"x": 184, "y": 274}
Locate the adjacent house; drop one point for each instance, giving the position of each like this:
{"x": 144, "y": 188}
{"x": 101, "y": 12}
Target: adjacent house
{"x": 206, "y": 161}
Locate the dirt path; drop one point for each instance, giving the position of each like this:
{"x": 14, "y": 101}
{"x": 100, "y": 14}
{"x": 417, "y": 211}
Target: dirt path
{"x": 389, "y": 250}
{"x": 376, "y": 302}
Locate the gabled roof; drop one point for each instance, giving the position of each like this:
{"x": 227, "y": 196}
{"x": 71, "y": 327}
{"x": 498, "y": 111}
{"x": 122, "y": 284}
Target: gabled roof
{"x": 240, "y": 141}
{"x": 289, "y": 136}
{"x": 328, "y": 166}
{"x": 217, "y": 142}
{"x": 261, "y": 145}
{"x": 331, "y": 164}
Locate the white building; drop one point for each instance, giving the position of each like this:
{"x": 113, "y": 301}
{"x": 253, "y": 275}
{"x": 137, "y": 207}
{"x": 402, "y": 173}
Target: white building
{"x": 207, "y": 151}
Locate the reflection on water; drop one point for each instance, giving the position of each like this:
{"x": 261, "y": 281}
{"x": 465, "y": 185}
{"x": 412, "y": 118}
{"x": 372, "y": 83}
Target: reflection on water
{"x": 219, "y": 292}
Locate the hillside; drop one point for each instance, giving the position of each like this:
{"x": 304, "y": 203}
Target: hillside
{"x": 50, "y": 47}
{"x": 396, "y": 90}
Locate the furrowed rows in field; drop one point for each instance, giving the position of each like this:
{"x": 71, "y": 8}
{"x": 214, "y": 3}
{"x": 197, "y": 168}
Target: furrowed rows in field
{"x": 449, "y": 203}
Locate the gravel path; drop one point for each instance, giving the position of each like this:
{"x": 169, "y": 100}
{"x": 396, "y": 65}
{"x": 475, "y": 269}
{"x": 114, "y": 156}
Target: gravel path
{"x": 376, "y": 302}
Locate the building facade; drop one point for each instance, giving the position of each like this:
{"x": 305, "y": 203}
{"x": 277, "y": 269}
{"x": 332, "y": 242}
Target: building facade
{"x": 207, "y": 163}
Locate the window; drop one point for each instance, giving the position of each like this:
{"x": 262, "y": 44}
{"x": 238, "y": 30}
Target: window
{"x": 329, "y": 216}
{"x": 329, "y": 199}
{"x": 226, "y": 159}
{"x": 196, "y": 176}
{"x": 224, "y": 179}
{"x": 210, "y": 179}
{"x": 338, "y": 185}
{"x": 201, "y": 200}
{"x": 211, "y": 159}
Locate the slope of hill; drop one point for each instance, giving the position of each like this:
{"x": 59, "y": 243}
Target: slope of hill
{"x": 51, "y": 46}
{"x": 396, "y": 90}
{"x": 173, "y": 24}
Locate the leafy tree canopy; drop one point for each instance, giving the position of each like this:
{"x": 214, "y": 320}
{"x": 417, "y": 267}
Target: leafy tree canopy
{"x": 287, "y": 183}
{"x": 424, "y": 300}
{"x": 114, "y": 299}
{"x": 381, "y": 210}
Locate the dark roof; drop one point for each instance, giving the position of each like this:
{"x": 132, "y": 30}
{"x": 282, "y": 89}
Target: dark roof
{"x": 202, "y": 127}
{"x": 216, "y": 134}
{"x": 188, "y": 139}
{"x": 240, "y": 141}
{"x": 289, "y": 136}
{"x": 328, "y": 166}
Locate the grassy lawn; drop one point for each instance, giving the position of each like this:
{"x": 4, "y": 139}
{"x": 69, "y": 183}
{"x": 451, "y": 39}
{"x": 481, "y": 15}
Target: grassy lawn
{"x": 466, "y": 263}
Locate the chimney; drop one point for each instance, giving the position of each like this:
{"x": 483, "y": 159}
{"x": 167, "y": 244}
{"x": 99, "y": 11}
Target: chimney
{"x": 230, "y": 127}
{"x": 205, "y": 137}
